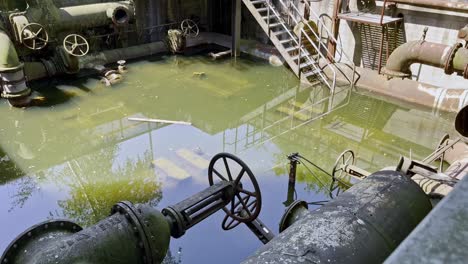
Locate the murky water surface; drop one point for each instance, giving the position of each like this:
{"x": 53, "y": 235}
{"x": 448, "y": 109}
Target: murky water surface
{"x": 79, "y": 154}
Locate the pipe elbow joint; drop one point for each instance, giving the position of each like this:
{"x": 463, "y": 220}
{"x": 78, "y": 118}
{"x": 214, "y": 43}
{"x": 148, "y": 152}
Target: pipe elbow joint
{"x": 399, "y": 62}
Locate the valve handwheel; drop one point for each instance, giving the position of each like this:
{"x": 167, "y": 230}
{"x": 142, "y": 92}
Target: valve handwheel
{"x": 246, "y": 203}
{"x": 76, "y": 45}
{"x": 190, "y": 28}
{"x": 34, "y": 36}
{"x": 346, "y": 158}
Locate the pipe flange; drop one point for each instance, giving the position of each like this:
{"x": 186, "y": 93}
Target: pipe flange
{"x": 19, "y": 95}
{"x": 59, "y": 227}
{"x": 448, "y": 69}
{"x": 128, "y": 209}
{"x": 178, "y": 227}
{"x": 288, "y": 213}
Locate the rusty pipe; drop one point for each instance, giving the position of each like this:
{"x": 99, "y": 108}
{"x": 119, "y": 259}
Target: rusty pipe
{"x": 427, "y": 53}
{"x": 456, "y": 6}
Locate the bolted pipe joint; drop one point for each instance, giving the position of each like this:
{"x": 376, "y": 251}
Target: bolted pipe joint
{"x": 132, "y": 234}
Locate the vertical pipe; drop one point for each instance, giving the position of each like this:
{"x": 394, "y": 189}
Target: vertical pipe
{"x": 236, "y": 27}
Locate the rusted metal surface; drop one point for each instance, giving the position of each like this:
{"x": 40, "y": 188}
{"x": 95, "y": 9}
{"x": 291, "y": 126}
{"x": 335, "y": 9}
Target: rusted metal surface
{"x": 457, "y": 6}
{"x": 452, "y": 59}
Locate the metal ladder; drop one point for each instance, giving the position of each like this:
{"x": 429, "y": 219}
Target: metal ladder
{"x": 304, "y": 64}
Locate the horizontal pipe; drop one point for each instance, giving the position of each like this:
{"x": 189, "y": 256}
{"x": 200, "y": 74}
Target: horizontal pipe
{"x": 362, "y": 225}
{"x": 93, "y": 15}
{"x": 427, "y": 53}
{"x": 456, "y": 6}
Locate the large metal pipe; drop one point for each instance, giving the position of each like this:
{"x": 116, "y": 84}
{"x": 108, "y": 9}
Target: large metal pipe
{"x": 79, "y": 16}
{"x": 132, "y": 234}
{"x": 457, "y": 6}
{"x": 363, "y": 225}
{"x": 452, "y": 59}
{"x": 12, "y": 81}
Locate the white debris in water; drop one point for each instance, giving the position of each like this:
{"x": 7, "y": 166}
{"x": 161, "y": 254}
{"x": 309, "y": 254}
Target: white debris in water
{"x": 360, "y": 222}
{"x": 275, "y": 61}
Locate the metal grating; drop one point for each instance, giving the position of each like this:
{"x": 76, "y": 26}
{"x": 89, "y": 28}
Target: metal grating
{"x": 370, "y": 43}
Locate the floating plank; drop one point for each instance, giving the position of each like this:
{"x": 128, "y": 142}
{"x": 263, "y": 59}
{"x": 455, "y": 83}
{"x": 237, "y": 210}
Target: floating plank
{"x": 159, "y": 121}
{"x": 171, "y": 169}
{"x": 193, "y": 158}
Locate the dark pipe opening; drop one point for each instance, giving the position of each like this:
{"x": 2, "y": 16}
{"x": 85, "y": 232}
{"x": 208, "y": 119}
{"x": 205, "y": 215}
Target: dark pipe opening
{"x": 461, "y": 122}
{"x": 120, "y": 16}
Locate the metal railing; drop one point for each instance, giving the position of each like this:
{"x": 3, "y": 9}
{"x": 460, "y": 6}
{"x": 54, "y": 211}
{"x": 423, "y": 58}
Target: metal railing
{"x": 291, "y": 6}
{"x": 272, "y": 10}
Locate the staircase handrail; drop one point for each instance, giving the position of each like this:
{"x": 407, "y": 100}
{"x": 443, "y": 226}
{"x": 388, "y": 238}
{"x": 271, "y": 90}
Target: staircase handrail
{"x": 319, "y": 23}
{"x": 313, "y": 62}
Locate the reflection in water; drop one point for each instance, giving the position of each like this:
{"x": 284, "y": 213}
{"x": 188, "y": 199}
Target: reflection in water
{"x": 82, "y": 154}
{"x": 93, "y": 194}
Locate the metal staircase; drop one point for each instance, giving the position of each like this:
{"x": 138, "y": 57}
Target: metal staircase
{"x": 300, "y": 45}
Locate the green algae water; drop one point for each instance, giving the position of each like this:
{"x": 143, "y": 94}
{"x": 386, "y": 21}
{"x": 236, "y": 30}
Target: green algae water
{"x": 78, "y": 154}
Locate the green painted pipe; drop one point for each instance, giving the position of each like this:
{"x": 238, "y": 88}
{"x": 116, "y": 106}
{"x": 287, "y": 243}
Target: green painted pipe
{"x": 9, "y": 60}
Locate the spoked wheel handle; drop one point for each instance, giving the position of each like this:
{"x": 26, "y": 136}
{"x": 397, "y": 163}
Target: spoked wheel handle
{"x": 34, "y": 36}
{"x": 246, "y": 204}
{"x": 344, "y": 159}
{"x": 190, "y": 28}
{"x": 76, "y": 45}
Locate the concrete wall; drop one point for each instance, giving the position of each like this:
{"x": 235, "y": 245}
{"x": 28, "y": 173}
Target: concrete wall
{"x": 443, "y": 28}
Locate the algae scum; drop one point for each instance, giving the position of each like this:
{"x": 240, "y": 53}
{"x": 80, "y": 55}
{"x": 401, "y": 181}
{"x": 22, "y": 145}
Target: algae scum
{"x": 77, "y": 154}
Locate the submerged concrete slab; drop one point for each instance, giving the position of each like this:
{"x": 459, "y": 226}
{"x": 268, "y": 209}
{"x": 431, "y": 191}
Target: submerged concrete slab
{"x": 442, "y": 236}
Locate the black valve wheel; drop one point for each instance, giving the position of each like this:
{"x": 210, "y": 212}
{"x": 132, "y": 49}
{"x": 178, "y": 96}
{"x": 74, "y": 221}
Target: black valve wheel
{"x": 344, "y": 160}
{"x": 34, "y": 36}
{"x": 246, "y": 202}
{"x": 190, "y": 28}
{"x": 76, "y": 45}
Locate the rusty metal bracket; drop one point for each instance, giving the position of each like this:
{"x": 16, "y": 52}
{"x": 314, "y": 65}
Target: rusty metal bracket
{"x": 449, "y": 63}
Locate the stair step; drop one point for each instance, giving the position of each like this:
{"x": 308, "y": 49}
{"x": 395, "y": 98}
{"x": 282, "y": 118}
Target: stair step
{"x": 263, "y": 9}
{"x": 272, "y": 25}
{"x": 284, "y": 41}
{"x": 291, "y": 49}
{"x": 292, "y": 112}
{"x": 307, "y": 64}
{"x": 310, "y": 73}
{"x": 171, "y": 169}
{"x": 305, "y": 108}
{"x": 271, "y": 18}
{"x": 280, "y": 32}
{"x": 257, "y": 2}
{"x": 303, "y": 55}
